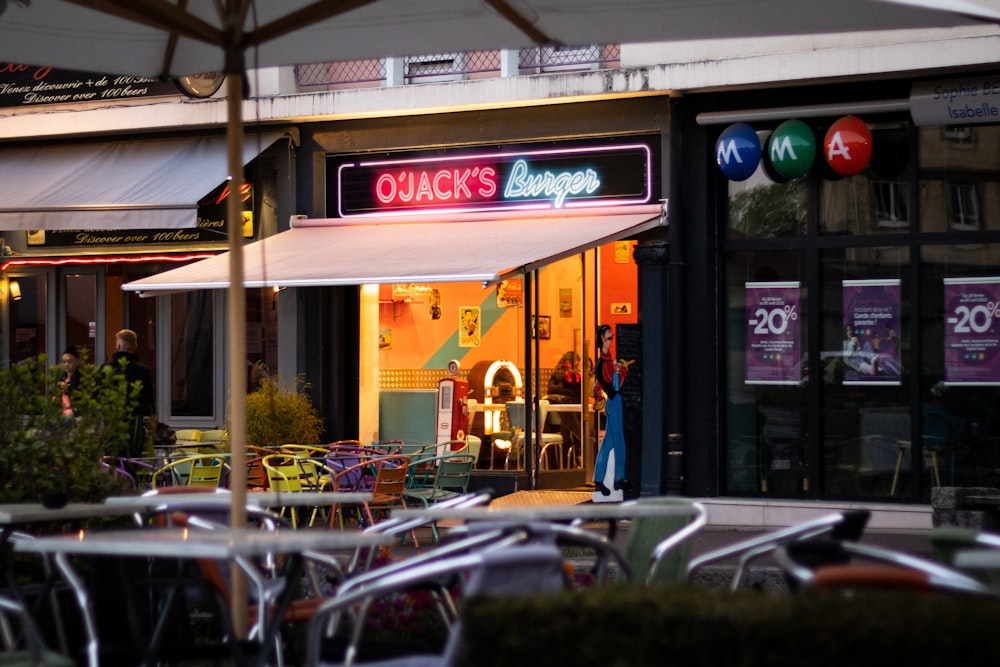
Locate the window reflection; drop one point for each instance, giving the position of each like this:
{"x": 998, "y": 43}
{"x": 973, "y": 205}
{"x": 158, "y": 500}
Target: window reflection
{"x": 81, "y": 312}
{"x": 192, "y": 362}
{"x": 28, "y": 324}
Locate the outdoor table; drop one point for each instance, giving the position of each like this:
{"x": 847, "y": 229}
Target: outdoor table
{"x": 611, "y": 513}
{"x": 256, "y": 498}
{"x": 185, "y": 545}
{"x": 582, "y": 512}
{"x": 222, "y": 500}
{"x": 13, "y": 515}
{"x": 20, "y": 516}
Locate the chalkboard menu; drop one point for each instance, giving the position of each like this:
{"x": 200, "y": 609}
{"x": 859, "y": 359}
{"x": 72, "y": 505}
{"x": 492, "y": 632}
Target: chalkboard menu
{"x": 628, "y": 347}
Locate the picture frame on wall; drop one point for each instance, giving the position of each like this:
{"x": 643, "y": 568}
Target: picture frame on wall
{"x": 542, "y": 327}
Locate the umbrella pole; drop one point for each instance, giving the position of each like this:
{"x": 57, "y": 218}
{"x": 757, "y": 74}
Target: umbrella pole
{"x": 237, "y": 347}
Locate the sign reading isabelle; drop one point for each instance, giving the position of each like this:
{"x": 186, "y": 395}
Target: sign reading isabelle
{"x": 871, "y": 332}
{"x": 773, "y": 333}
{"x": 557, "y": 178}
{"x": 956, "y": 101}
{"x": 972, "y": 331}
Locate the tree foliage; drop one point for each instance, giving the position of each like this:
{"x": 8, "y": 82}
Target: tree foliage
{"x": 769, "y": 211}
{"x": 44, "y": 451}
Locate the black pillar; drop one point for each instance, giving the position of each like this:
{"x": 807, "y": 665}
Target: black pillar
{"x": 651, "y": 259}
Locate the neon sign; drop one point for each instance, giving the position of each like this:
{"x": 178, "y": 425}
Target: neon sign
{"x": 435, "y": 186}
{"x": 522, "y": 184}
{"x": 556, "y": 178}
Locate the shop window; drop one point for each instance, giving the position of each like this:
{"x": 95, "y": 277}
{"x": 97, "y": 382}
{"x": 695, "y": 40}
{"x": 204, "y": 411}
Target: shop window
{"x": 81, "y": 313}
{"x": 891, "y": 201}
{"x": 963, "y": 214}
{"x": 28, "y": 317}
{"x": 192, "y": 354}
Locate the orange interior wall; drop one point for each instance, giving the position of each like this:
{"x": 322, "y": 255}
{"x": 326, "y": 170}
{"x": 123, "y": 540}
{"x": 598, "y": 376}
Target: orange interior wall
{"x": 619, "y": 284}
{"x": 416, "y": 338}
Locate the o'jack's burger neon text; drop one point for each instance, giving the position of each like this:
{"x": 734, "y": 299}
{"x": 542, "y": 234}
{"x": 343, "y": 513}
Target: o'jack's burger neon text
{"x": 555, "y": 186}
{"x": 444, "y": 186}
{"x": 563, "y": 177}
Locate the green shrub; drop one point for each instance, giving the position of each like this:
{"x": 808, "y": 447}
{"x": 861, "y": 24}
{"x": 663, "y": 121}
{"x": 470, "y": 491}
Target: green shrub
{"x": 42, "y": 451}
{"x": 279, "y": 416}
{"x": 617, "y": 626}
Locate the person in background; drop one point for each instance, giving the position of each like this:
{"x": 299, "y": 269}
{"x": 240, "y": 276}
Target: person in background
{"x": 70, "y": 379}
{"x": 565, "y": 387}
{"x": 609, "y": 376}
{"x": 124, "y": 360}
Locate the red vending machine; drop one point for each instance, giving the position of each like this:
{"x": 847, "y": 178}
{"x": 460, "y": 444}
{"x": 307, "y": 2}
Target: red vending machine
{"x": 452, "y": 416}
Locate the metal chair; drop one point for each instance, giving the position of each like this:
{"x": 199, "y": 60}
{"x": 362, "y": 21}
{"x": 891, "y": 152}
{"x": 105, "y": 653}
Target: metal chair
{"x": 825, "y": 564}
{"x": 516, "y": 418}
{"x": 657, "y": 547}
{"x": 847, "y": 525}
{"x": 511, "y": 569}
{"x": 388, "y": 489}
{"x": 24, "y": 646}
{"x": 451, "y": 474}
{"x": 203, "y": 470}
{"x": 286, "y": 474}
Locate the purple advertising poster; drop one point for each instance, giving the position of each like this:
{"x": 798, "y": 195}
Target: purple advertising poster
{"x": 972, "y": 331}
{"x": 773, "y": 333}
{"x": 871, "y": 332}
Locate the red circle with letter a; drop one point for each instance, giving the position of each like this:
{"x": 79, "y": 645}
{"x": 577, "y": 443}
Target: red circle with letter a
{"x": 848, "y": 146}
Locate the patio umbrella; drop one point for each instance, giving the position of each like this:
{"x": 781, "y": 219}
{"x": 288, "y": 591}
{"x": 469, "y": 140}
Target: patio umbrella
{"x": 184, "y": 37}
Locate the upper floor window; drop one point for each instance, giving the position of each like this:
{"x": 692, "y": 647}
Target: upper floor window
{"x": 891, "y": 202}
{"x": 963, "y": 212}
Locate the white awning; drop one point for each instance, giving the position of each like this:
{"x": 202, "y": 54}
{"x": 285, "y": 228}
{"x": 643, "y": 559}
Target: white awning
{"x": 154, "y": 184}
{"x": 467, "y": 247}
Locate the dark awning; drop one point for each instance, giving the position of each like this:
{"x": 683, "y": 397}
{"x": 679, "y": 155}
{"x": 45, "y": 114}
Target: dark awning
{"x": 153, "y": 184}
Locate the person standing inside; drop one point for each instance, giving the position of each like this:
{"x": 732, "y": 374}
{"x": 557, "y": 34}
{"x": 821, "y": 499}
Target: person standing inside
{"x": 609, "y": 376}
{"x": 124, "y": 360}
{"x": 69, "y": 381}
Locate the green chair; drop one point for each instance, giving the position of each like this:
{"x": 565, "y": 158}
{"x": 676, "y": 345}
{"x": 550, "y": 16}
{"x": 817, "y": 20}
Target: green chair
{"x": 451, "y": 474}
{"x": 657, "y": 547}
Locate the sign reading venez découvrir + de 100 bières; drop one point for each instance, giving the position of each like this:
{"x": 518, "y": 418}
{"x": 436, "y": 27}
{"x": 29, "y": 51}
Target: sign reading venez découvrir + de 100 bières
{"x": 552, "y": 178}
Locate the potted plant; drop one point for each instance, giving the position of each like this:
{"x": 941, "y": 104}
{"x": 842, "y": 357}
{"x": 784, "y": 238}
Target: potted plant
{"x": 281, "y": 414}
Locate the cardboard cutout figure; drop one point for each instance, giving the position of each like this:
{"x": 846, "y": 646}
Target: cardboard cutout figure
{"x": 609, "y": 376}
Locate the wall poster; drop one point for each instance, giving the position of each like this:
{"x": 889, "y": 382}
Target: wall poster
{"x": 773, "y": 344}
{"x": 871, "y": 351}
{"x": 469, "y": 327}
{"x": 972, "y": 331}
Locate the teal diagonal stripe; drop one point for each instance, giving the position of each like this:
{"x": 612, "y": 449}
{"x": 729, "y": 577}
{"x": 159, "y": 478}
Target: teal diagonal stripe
{"x": 488, "y": 316}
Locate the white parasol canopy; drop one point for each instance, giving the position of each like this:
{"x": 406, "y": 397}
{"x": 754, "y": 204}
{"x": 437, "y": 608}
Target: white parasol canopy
{"x": 185, "y": 37}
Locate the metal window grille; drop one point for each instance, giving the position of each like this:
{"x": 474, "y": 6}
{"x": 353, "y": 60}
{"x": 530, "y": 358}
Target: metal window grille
{"x": 454, "y": 66}
{"x": 567, "y": 58}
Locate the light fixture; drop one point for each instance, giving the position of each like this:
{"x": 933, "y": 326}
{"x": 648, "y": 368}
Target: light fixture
{"x": 15, "y": 290}
{"x": 274, "y": 298}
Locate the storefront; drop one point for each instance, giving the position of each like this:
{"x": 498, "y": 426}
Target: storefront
{"x": 509, "y": 251}
{"x": 855, "y": 252}
{"x": 85, "y": 218}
